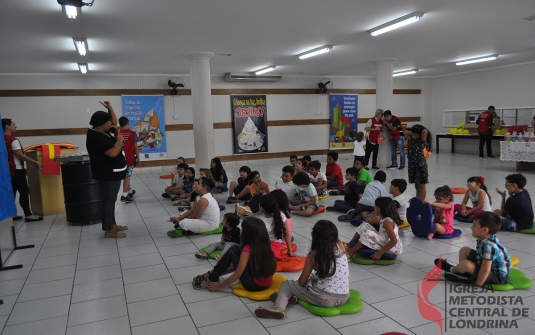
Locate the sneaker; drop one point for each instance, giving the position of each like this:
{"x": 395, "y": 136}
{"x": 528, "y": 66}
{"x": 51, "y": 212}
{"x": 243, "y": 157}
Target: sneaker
{"x": 491, "y": 156}
{"x": 330, "y": 208}
{"x": 333, "y": 193}
{"x": 481, "y": 156}
{"x": 126, "y": 199}
{"x": 131, "y": 193}
{"x": 114, "y": 233}
{"x": 456, "y": 277}
{"x": 402, "y": 168}
{"x": 232, "y": 200}
{"x": 392, "y": 167}
{"x": 165, "y": 195}
{"x": 444, "y": 265}
{"x": 183, "y": 208}
{"x": 176, "y": 202}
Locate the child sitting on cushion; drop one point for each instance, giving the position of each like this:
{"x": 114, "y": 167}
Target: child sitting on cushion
{"x": 443, "y": 217}
{"x": 229, "y": 238}
{"x": 328, "y": 286}
{"x": 352, "y": 194}
{"x": 318, "y": 179}
{"x": 284, "y": 206}
{"x": 364, "y": 177}
{"x": 239, "y": 189}
{"x": 478, "y": 194}
{"x": 489, "y": 263}
{"x": 517, "y": 211}
{"x": 397, "y": 187}
{"x": 306, "y": 201}
{"x": 276, "y": 226}
{"x": 300, "y": 165}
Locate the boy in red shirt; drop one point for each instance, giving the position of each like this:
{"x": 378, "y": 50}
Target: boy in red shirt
{"x": 132, "y": 157}
{"x": 333, "y": 171}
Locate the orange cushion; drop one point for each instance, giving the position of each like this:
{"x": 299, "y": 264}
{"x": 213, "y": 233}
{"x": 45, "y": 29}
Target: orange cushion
{"x": 295, "y": 263}
{"x": 166, "y": 176}
{"x": 320, "y": 209}
{"x": 458, "y": 190}
{"x": 285, "y": 251}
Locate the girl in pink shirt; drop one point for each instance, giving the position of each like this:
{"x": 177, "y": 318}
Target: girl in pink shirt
{"x": 444, "y": 210}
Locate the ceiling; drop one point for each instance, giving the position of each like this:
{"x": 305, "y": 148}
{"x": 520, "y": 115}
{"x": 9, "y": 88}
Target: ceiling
{"x": 151, "y": 37}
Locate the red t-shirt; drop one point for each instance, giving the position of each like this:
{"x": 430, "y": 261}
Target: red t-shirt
{"x": 129, "y": 143}
{"x": 335, "y": 169}
{"x": 260, "y": 281}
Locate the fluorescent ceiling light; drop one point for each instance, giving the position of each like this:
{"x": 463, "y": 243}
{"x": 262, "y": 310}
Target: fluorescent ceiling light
{"x": 315, "y": 52}
{"x": 397, "y": 23}
{"x": 82, "y": 67}
{"x": 404, "y": 73}
{"x": 264, "y": 70}
{"x": 71, "y": 11}
{"x": 81, "y": 45}
{"x": 476, "y": 60}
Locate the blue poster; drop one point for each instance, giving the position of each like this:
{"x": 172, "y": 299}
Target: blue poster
{"x": 146, "y": 116}
{"x": 7, "y": 200}
{"x": 343, "y": 110}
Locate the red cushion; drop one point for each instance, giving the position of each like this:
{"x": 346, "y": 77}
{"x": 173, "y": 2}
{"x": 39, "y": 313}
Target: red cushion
{"x": 295, "y": 263}
{"x": 166, "y": 176}
{"x": 320, "y": 209}
{"x": 337, "y": 187}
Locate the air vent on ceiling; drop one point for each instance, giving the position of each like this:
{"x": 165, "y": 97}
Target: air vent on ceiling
{"x": 250, "y": 77}
{"x": 531, "y": 18}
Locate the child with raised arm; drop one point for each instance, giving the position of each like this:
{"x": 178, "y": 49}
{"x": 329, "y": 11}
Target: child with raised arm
{"x": 328, "y": 286}
{"x": 517, "y": 211}
{"x": 229, "y": 238}
{"x": 443, "y": 218}
{"x": 318, "y": 179}
{"x": 489, "y": 263}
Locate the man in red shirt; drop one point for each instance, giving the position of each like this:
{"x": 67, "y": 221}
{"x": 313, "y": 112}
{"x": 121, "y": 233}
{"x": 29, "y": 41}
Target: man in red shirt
{"x": 333, "y": 171}
{"x": 132, "y": 157}
{"x": 484, "y": 128}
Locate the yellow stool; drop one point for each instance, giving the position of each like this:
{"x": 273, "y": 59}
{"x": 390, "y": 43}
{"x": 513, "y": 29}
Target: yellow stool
{"x": 260, "y": 295}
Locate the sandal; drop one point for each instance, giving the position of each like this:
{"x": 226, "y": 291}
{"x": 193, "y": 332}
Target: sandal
{"x": 201, "y": 284}
{"x": 201, "y": 255}
{"x": 201, "y": 277}
{"x": 269, "y": 313}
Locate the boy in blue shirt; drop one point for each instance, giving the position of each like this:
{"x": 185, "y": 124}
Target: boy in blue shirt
{"x": 517, "y": 211}
{"x": 489, "y": 263}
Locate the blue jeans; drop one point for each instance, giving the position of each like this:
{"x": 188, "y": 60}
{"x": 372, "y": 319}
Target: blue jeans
{"x": 398, "y": 144}
{"x": 342, "y": 206}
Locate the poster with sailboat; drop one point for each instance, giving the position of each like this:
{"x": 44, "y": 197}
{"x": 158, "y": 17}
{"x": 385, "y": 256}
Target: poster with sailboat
{"x": 249, "y": 123}
{"x": 146, "y": 116}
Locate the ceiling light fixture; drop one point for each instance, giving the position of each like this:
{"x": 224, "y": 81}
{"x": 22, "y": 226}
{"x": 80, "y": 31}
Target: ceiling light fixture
{"x": 264, "y": 70}
{"x": 81, "y": 45}
{"x": 476, "y": 60}
{"x": 315, "y": 52}
{"x": 404, "y": 72}
{"x": 394, "y": 24}
{"x": 73, "y": 8}
{"x": 83, "y": 67}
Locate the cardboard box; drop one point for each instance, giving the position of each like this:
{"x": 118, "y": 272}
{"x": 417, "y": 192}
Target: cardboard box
{"x": 471, "y": 127}
{"x": 496, "y": 124}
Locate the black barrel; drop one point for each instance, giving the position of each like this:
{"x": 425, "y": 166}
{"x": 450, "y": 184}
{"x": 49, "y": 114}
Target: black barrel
{"x": 83, "y": 195}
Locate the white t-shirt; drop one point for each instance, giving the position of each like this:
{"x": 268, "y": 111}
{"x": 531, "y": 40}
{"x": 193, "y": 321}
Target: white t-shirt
{"x": 359, "y": 148}
{"x": 15, "y": 145}
{"x": 403, "y": 204}
{"x": 178, "y": 180}
{"x": 288, "y": 188}
{"x": 307, "y": 192}
{"x": 320, "y": 175}
{"x": 211, "y": 212}
{"x": 270, "y": 226}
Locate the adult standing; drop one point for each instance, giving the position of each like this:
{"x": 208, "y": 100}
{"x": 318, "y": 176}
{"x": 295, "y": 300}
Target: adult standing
{"x": 374, "y": 127}
{"x": 108, "y": 164}
{"x": 485, "y": 122}
{"x": 16, "y": 159}
{"x": 131, "y": 153}
{"x": 397, "y": 140}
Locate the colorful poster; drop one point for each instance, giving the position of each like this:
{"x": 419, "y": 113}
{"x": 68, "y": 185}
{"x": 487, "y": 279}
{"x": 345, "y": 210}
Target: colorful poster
{"x": 249, "y": 123}
{"x": 146, "y": 116}
{"x": 343, "y": 110}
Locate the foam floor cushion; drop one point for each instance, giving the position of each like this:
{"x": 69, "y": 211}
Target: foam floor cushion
{"x": 456, "y": 232}
{"x": 405, "y": 224}
{"x": 528, "y": 231}
{"x": 294, "y": 263}
{"x": 166, "y": 176}
{"x": 353, "y": 305}
{"x": 341, "y": 187}
{"x": 420, "y": 217}
{"x": 321, "y": 197}
{"x": 285, "y": 251}
{"x": 463, "y": 219}
{"x": 320, "y": 209}
{"x": 517, "y": 281}
{"x": 213, "y": 254}
{"x": 458, "y": 190}
{"x": 174, "y": 233}
{"x": 515, "y": 260}
{"x": 219, "y": 230}
{"x": 260, "y": 295}
{"x": 364, "y": 259}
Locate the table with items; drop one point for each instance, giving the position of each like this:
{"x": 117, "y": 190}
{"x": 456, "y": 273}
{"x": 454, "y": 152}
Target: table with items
{"x": 523, "y": 153}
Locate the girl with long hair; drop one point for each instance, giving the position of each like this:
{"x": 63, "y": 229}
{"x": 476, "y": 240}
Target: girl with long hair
{"x": 284, "y": 206}
{"x": 276, "y": 226}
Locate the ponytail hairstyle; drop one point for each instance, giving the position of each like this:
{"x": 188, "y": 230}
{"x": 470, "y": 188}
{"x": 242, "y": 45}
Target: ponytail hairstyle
{"x": 282, "y": 200}
{"x": 360, "y": 136}
{"x": 261, "y": 259}
{"x": 418, "y": 129}
{"x": 324, "y": 241}
{"x": 271, "y": 207}
{"x": 480, "y": 181}
{"x": 388, "y": 209}
{"x": 444, "y": 192}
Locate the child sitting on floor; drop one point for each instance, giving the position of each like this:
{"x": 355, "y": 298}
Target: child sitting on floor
{"x": 229, "y": 238}
{"x": 318, "y": 179}
{"x": 384, "y": 240}
{"x": 489, "y": 263}
{"x": 239, "y": 189}
{"x": 397, "y": 187}
{"x": 258, "y": 189}
{"x": 366, "y": 203}
{"x": 352, "y": 194}
{"x": 307, "y": 160}
{"x": 328, "y": 286}
{"x": 478, "y": 194}
{"x": 300, "y": 165}
{"x": 306, "y": 201}
{"x": 293, "y": 159}
{"x": 282, "y": 200}
{"x": 179, "y": 160}
{"x": 187, "y": 186}
{"x": 517, "y": 211}
{"x": 333, "y": 171}
{"x": 285, "y": 183}
{"x": 276, "y": 226}
{"x": 364, "y": 177}
{"x": 219, "y": 174}
{"x": 443, "y": 217}
{"x": 176, "y": 183}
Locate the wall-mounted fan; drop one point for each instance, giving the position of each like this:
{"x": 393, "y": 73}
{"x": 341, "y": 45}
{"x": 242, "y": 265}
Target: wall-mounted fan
{"x": 324, "y": 85}
{"x": 173, "y": 85}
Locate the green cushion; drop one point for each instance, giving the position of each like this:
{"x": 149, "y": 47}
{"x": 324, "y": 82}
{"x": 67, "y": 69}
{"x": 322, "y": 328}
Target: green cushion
{"x": 517, "y": 280}
{"x": 179, "y": 233}
{"x": 216, "y": 231}
{"x": 353, "y": 305}
{"x": 528, "y": 231}
{"x": 213, "y": 254}
{"x": 366, "y": 260}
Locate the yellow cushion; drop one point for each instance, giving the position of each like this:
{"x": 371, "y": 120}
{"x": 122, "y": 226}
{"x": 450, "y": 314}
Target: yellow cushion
{"x": 405, "y": 224}
{"x": 321, "y": 197}
{"x": 260, "y": 295}
{"x": 515, "y": 260}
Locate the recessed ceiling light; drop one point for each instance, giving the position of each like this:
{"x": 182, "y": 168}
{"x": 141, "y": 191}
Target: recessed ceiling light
{"x": 476, "y": 60}
{"x": 265, "y": 69}
{"x": 83, "y": 68}
{"x": 394, "y": 24}
{"x": 73, "y": 8}
{"x": 315, "y": 52}
{"x": 81, "y": 45}
{"x": 404, "y": 73}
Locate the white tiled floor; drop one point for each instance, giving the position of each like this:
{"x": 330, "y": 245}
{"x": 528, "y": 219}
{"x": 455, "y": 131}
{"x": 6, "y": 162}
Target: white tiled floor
{"x": 76, "y": 282}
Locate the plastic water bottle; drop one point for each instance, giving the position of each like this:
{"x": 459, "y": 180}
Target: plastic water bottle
{"x": 507, "y": 137}
{"x": 520, "y": 137}
{"x": 515, "y": 137}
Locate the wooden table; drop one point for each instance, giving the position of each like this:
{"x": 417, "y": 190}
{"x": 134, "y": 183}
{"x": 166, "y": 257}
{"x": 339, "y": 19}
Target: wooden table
{"x": 461, "y": 136}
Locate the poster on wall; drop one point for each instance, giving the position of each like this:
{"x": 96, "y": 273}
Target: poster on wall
{"x": 249, "y": 123}
{"x": 343, "y": 110}
{"x": 146, "y": 116}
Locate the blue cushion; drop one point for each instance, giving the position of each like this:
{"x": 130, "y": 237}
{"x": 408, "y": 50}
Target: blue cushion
{"x": 356, "y": 222}
{"x": 369, "y": 252}
{"x": 463, "y": 218}
{"x": 420, "y": 217}
{"x": 456, "y": 232}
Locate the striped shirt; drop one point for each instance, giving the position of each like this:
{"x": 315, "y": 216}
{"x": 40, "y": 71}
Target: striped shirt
{"x": 491, "y": 249}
